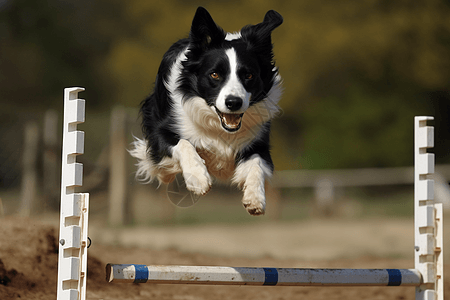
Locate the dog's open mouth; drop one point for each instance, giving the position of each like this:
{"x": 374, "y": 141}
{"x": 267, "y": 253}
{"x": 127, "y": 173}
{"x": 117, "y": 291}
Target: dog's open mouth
{"x": 230, "y": 122}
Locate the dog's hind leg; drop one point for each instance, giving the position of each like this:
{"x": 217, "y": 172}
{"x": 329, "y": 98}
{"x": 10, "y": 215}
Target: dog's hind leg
{"x": 193, "y": 168}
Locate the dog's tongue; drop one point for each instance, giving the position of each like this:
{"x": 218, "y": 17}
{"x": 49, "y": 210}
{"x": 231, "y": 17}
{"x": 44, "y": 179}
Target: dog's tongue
{"x": 232, "y": 120}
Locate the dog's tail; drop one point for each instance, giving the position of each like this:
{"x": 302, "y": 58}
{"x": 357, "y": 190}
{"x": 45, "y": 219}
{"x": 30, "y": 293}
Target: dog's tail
{"x": 145, "y": 168}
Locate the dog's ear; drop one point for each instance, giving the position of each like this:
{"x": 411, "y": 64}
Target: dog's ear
{"x": 259, "y": 36}
{"x": 272, "y": 20}
{"x": 205, "y": 32}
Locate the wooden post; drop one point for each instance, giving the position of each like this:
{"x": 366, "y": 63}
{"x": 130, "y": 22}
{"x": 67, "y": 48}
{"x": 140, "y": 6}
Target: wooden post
{"x": 274, "y": 201}
{"x": 118, "y": 207}
{"x": 324, "y": 197}
{"x": 2, "y": 210}
{"x": 50, "y": 160}
{"x": 29, "y": 172}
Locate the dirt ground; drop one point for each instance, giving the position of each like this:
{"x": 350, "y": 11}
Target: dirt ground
{"x": 28, "y": 270}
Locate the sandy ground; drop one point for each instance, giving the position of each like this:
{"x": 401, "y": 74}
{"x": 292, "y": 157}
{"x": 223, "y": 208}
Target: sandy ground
{"x": 28, "y": 257}
{"x": 307, "y": 240}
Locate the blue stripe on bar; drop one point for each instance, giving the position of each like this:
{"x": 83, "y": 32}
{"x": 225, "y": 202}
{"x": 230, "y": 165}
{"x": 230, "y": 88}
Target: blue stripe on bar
{"x": 271, "y": 276}
{"x": 141, "y": 274}
{"x": 395, "y": 277}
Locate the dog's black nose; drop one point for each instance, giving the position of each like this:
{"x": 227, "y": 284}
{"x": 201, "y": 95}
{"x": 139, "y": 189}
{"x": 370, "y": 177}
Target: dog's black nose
{"x": 233, "y": 103}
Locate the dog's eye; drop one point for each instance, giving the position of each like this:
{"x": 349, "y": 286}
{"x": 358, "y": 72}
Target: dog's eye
{"x": 249, "y": 76}
{"x": 214, "y": 75}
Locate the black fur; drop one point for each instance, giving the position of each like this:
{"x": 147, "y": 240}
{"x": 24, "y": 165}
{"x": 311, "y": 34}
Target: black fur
{"x": 207, "y": 41}
{"x": 205, "y": 73}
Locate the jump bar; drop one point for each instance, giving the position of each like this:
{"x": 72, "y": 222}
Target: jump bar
{"x": 209, "y": 275}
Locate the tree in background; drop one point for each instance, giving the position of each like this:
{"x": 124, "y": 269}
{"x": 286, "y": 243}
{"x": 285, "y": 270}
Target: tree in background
{"x": 355, "y": 72}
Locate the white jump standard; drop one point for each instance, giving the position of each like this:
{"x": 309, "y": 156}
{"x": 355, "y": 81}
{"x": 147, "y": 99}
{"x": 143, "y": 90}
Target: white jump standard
{"x": 427, "y": 276}
{"x": 72, "y": 259}
{"x": 428, "y": 216}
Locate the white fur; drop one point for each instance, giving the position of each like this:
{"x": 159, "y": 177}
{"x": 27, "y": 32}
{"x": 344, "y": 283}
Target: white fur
{"x": 164, "y": 171}
{"x": 250, "y": 175}
{"x": 145, "y": 168}
{"x": 194, "y": 171}
{"x": 199, "y": 124}
{"x": 172, "y": 81}
{"x": 233, "y": 87}
{"x": 233, "y": 36}
{"x": 205, "y": 147}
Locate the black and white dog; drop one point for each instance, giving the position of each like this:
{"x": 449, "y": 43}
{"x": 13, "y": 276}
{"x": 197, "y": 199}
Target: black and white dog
{"x": 210, "y": 112}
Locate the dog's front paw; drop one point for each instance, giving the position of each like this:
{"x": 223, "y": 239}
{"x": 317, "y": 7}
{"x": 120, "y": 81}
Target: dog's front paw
{"x": 254, "y": 201}
{"x": 198, "y": 180}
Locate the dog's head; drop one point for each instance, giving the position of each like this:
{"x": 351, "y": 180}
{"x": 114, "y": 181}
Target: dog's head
{"x": 231, "y": 72}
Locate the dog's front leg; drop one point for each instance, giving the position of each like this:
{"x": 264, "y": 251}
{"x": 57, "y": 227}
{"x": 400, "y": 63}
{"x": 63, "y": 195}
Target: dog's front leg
{"x": 250, "y": 175}
{"x": 194, "y": 170}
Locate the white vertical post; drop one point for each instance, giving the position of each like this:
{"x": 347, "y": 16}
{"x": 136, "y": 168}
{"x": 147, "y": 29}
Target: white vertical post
{"x": 427, "y": 215}
{"x": 439, "y": 255}
{"x": 72, "y": 258}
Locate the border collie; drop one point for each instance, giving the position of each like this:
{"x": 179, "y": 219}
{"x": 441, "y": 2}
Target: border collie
{"x": 210, "y": 112}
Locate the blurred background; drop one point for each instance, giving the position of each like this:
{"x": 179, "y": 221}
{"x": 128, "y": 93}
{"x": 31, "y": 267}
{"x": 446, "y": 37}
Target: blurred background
{"x": 355, "y": 74}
